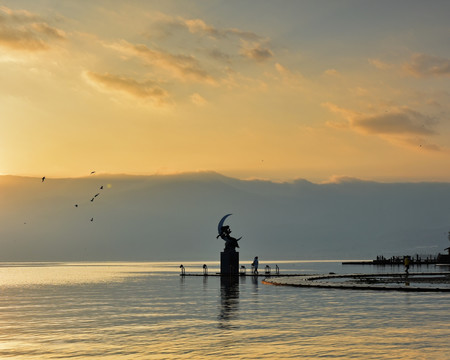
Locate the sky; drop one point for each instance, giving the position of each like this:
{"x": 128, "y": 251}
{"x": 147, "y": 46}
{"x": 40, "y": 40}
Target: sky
{"x": 275, "y": 90}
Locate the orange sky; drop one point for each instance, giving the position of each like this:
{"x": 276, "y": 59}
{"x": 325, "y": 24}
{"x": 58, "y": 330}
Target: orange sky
{"x": 250, "y": 89}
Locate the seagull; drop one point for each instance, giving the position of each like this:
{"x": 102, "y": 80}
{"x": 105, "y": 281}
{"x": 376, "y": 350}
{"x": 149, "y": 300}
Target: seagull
{"x": 43, "y": 178}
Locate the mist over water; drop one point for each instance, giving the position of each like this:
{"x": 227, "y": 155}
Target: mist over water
{"x": 147, "y": 311}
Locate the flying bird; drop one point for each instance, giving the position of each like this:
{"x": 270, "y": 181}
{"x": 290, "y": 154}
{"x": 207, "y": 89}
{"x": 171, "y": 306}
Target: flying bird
{"x": 92, "y": 172}
{"x": 92, "y": 219}
{"x": 43, "y": 178}
{"x": 101, "y": 187}
{"x": 76, "y": 205}
{"x": 96, "y": 195}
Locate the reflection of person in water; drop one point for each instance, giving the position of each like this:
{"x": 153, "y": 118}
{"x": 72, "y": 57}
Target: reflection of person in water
{"x": 231, "y": 243}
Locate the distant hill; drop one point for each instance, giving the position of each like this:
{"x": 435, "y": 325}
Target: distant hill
{"x": 175, "y": 218}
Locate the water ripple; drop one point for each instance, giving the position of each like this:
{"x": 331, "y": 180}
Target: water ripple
{"x": 129, "y": 311}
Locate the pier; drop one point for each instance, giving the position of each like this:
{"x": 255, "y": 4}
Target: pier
{"x": 263, "y": 275}
{"x": 397, "y": 260}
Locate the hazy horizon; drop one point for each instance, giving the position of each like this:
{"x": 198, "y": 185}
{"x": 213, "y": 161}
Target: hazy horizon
{"x": 175, "y": 218}
{"x": 334, "y": 179}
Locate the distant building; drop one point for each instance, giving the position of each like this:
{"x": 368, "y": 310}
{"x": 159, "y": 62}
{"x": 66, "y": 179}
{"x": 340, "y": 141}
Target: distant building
{"x": 444, "y": 258}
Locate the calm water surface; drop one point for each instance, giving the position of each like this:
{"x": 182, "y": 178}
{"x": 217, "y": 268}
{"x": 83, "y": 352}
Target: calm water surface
{"x": 147, "y": 311}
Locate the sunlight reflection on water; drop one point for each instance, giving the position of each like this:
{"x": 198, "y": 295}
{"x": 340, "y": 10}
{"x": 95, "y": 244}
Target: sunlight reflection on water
{"x": 147, "y": 311}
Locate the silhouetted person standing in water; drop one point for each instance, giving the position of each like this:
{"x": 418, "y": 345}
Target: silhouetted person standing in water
{"x": 255, "y": 264}
{"x": 406, "y": 262}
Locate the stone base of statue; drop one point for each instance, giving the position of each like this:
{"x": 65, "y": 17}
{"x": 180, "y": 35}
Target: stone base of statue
{"x": 229, "y": 263}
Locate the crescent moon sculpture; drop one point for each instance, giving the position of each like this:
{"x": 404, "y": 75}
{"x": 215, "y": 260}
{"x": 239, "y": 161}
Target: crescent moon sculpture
{"x": 219, "y": 226}
{"x": 231, "y": 243}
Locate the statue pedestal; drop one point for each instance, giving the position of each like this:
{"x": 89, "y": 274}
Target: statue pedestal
{"x": 229, "y": 263}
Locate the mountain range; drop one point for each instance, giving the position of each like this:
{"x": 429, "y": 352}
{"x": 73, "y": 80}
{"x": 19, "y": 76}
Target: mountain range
{"x": 175, "y": 217}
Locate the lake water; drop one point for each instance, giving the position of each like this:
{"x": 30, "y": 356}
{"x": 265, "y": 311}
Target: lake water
{"x": 147, "y": 311}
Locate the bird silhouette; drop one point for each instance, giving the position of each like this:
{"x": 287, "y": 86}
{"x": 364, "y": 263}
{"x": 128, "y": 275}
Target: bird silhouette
{"x": 92, "y": 199}
{"x": 96, "y": 195}
{"x": 43, "y": 178}
{"x": 76, "y": 205}
{"x": 92, "y": 219}
{"x": 101, "y": 187}
{"x": 92, "y": 172}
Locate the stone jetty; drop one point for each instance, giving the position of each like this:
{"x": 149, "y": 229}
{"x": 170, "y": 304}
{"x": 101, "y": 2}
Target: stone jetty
{"x": 416, "y": 282}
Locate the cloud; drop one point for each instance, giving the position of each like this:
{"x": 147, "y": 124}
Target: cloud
{"x": 198, "y": 100}
{"x": 49, "y": 31}
{"x": 288, "y": 75}
{"x": 345, "y": 113}
{"x": 398, "y": 121}
{"x": 380, "y": 65}
{"x": 183, "y": 67}
{"x": 292, "y": 79}
{"x": 421, "y": 143}
{"x": 246, "y": 35}
{"x": 199, "y": 26}
{"x": 332, "y": 73}
{"x": 22, "y": 30}
{"x": 168, "y": 25}
{"x": 428, "y": 65}
{"x": 147, "y": 90}
{"x": 402, "y": 126}
{"x": 340, "y": 179}
{"x": 219, "y": 55}
{"x": 256, "y": 51}
{"x": 249, "y": 44}
{"x": 404, "y": 121}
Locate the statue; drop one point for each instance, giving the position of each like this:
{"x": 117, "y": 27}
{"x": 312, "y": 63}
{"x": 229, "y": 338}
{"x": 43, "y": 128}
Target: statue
{"x": 229, "y": 257}
{"x": 231, "y": 243}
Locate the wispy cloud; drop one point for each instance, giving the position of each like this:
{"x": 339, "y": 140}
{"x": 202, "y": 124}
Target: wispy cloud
{"x": 220, "y": 56}
{"x": 183, "y": 67}
{"x": 198, "y": 100}
{"x": 288, "y": 76}
{"x": 379, "y": 64}
{"x": 169, "y": 25}
{"x": 332, "y": 73}
{"x": 146, "y": 90}
{"x": 403, "y": 126}
{"x": 402, "y": 121}
{"x": 428, "y": 65}
{"x": 340, "y": 179}
{"x": 25, "y": 31}
{"x": 256, "y": 51}
{"x": 347, "y": 114}
{"x": 236, "y": 41}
